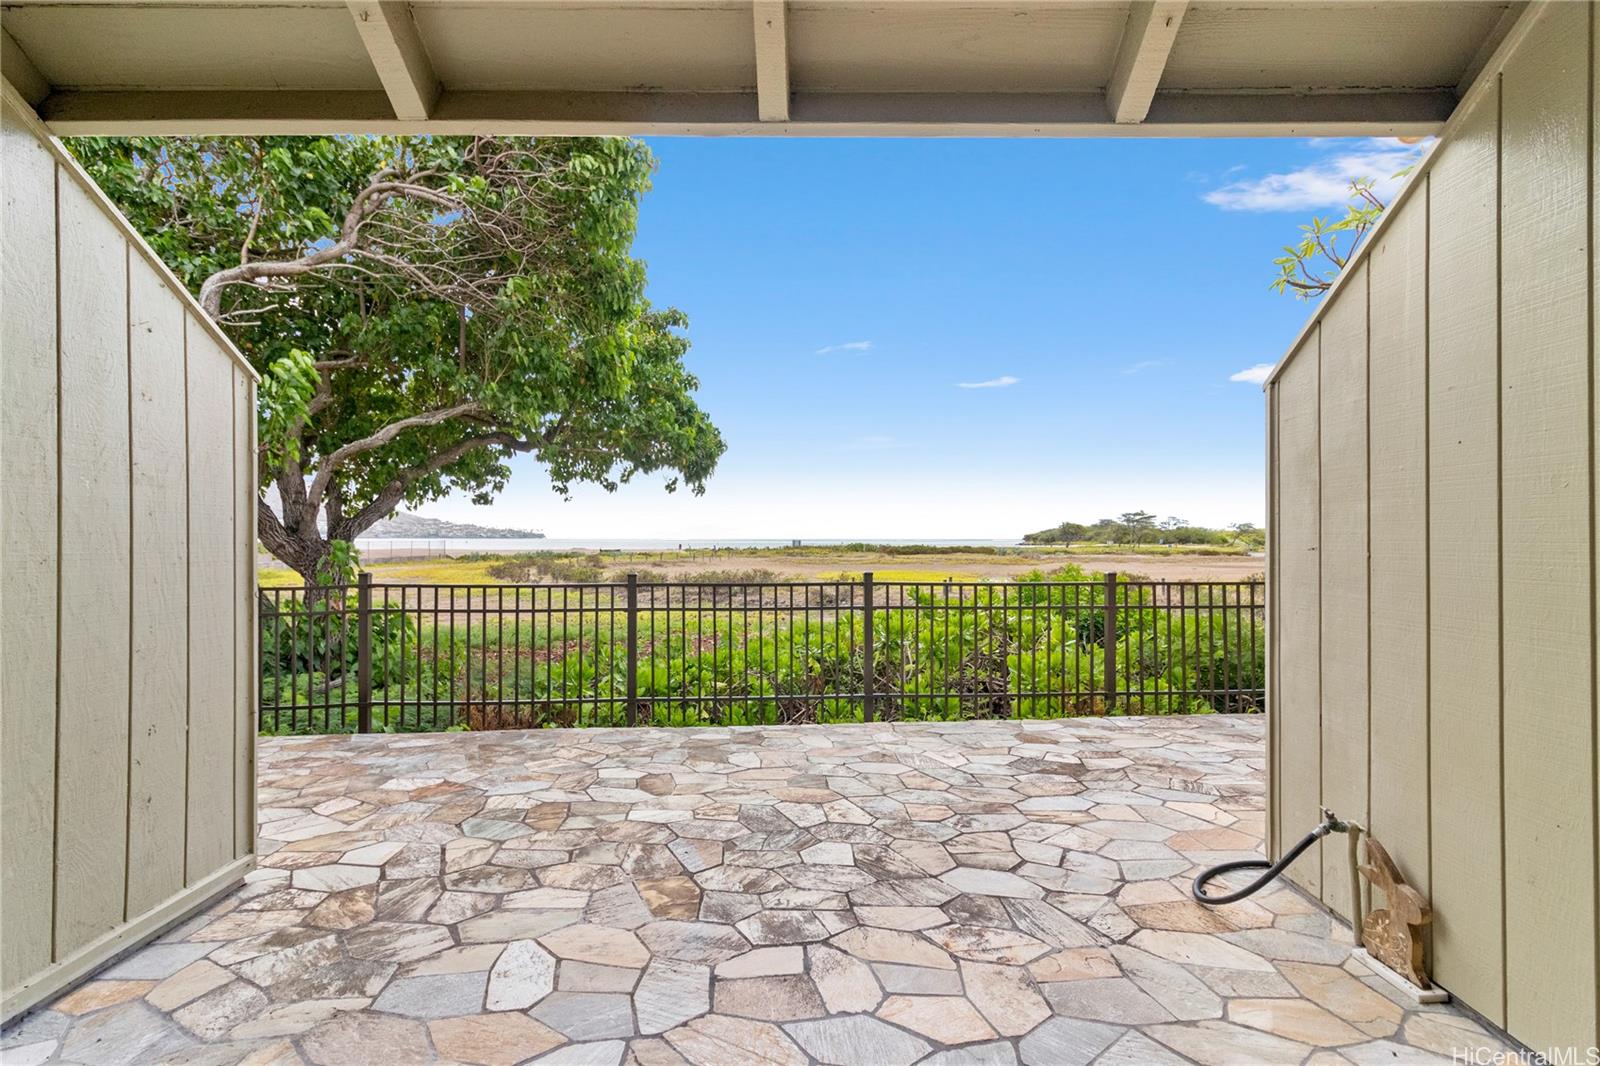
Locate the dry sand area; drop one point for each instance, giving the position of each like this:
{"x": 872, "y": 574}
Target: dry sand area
{"x": 957, "y": 565}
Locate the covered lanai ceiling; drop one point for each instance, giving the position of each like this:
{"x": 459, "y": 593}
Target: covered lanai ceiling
{"x": 968, "y": 67}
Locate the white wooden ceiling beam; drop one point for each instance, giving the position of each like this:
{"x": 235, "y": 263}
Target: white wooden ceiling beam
{"x": 558, "y": 113}
{"x": 391, "y": 39}
{"x": 772, "y": 61}
{"x": 1146, "y": 42}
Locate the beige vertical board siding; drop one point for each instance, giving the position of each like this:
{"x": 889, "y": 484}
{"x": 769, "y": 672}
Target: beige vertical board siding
{"x": 1398, "y": 488}
{"x": 1274, "y": 823}
{"x": 106, "y": 843}
{"x": 92, "y": 723}
{"x": 212, "y": 594}
{"x": 160, "y": 549}
{"x": 244, "y": 556}
{"x": 1466, "y": 605}
{"x": 252, "y": 609}
{"x": 1295, "y": 547}
{"x": 1463, "y": 668}
{"x": 1545, "y": 515}
{"x": 27, "y": 551}
{"x": 1594, "y": 458}
{"x": 1344, "y": 573}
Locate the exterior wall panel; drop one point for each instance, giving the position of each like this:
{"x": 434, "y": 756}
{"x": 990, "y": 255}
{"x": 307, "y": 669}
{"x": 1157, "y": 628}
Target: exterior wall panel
{"x": 1545, "y": 510}
{"x": 1463, "y": 645}
{"x": 1343, "y": 518}
{"x": 1458, "y": 582}
{"x": 28, "y": 435}
{"x": 94, "y": 604}
{"x": 1297, "y": 729}
{"x": 1397, "y": 570}
{"x": 213, "y": 599}
{"x": 158, "y": 751}
{"x": 121, "y": 792}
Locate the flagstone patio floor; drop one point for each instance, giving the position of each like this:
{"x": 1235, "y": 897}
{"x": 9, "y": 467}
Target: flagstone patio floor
{"x": 940, "y": 893}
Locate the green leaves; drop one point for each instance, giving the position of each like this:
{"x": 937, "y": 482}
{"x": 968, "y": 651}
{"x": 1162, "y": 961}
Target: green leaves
{"x": 1309, "y": 267}
{"x": 282, "y": 404}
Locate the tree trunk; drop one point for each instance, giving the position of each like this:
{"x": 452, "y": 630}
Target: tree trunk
{"x": 301, "y": 547}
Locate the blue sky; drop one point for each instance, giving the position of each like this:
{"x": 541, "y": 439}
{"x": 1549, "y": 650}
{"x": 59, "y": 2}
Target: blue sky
{"x": 966, "y": 338}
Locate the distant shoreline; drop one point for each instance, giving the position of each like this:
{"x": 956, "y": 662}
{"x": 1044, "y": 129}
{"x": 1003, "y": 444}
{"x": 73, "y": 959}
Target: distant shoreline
{"x": 404, "y": 526}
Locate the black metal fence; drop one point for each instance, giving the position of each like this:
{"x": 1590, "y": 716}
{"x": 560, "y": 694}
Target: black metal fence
{"x": 419, "y": 657}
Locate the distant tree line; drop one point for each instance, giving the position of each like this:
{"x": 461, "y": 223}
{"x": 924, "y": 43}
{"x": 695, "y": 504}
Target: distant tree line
{"x": 1141, "y": 527}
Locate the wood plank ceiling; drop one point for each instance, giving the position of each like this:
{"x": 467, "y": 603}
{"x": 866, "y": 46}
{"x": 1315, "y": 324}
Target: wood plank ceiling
{"x": 822, "y": 67}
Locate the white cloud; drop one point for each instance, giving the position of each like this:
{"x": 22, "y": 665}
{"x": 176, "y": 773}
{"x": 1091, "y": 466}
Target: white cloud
{"x": 1146, "y": 364}
{"x": 1254, "y": 375}
{"x": 1326, "y": 182}
{"x": 1001, "y": 382}
{"x": 848, "y": 346}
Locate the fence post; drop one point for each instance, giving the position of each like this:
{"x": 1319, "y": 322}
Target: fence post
{"x": 633, "y": 649}
{"x": 1110, "y": 637}
{"x": 364, "y": 652}
{"x": 868, "y": 702}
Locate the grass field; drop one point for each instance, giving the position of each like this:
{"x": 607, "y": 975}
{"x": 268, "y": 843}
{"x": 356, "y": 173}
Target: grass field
{"x": 820, "y": 563}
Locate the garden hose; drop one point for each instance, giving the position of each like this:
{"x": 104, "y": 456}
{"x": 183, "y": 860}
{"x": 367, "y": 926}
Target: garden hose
{"x": 1330, "y": 824}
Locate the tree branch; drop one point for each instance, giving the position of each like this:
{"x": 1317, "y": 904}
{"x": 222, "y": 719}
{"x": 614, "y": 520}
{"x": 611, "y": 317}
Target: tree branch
{"x": 391, "y": 494}
{"x": 361, "y": 208}
{"x": 339, "y": 456}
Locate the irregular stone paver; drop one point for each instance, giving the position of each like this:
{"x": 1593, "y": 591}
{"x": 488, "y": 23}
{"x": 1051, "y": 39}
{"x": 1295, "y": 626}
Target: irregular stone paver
{"x": 363, "y": 1039}
{"x": 586, "y": 1015}
{"x": 596, "y": 943}
{"x": 97, "y": 994}
{"x": 491, "y": 1039}
{"x": 191, "y": 982}
{"x": 670, "y": 993}
{"x": 857, "y": 1038}
{"x": 846, "y": 984}
{"x": 523, "y": 974}
{"x": 946, "y": 1019}
{"x": 1222, "y": 1044}
{"x": 122, "y": 1035}
{"x": 999, "y": 1053}
{"x": 1066, "y": 1042}
{"x": 599, "y": 1053}
{"x": 771, "y": 999}
{"x": 212, "y": 1015}
{"x": 436, "y": 996}
{"x": 764, "y": 962}
{"x": 1005, "y": 996}
{"x": 717, "y": 1039}
{"x": 986, "y": 893}
{"x": 1294, "y": 1019}
{"x": 991, "y": 883}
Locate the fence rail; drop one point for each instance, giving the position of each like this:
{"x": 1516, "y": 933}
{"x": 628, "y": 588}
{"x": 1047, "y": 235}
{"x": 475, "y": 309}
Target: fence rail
{"x": 408, "y": 657}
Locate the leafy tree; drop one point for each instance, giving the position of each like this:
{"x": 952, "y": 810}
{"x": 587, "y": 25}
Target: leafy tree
{"x": 1246, "y": 533}
{"x": 1065, "y": 533}
{"x": 420, "y": 310}
{"x": 1136, "y": 523}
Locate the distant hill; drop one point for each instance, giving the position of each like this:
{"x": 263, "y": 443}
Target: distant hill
{"x": 417, "y": 527}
